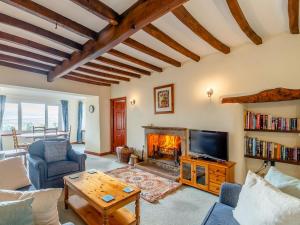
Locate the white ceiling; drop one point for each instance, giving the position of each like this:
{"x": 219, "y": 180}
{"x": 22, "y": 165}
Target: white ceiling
{"x": 267, "y": 17}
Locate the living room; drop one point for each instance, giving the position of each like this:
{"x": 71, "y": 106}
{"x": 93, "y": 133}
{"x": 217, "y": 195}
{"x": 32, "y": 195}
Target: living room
{"x": 171, "y": 73}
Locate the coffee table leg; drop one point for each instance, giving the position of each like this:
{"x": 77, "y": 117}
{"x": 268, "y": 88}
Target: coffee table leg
{"x": 105, "y": 219}
{"x": 66, "y": 195}
{"x": 137, "y": 209}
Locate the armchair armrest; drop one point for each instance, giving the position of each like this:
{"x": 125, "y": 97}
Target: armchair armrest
{"x": 77, "y": 157}
{"x": 37, "y": 171}
{"x": 230, "y": 194}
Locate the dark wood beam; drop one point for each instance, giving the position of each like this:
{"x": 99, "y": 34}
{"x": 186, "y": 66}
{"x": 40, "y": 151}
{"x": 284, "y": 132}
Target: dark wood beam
{"x": 187, "y": 19}
{"x": 149, "y": 51}
{"x": 167, "y": 40}
{"x": 132, "y": 20}
{"x": 81, "y": 80}
{"x": 25, "y": 62}
{"x": 75, "y": 74}
{"x": 293, "y": 11}
{"x": 112, "y": 70}
{"x": 241, "y": 20}
{"x": 39, "y": 31}
{"x": 17, "y": 51}
{"x": 31, "y": 44}
{"x": 122, "y": 65}
{"x": 101, "y": 74}
{"x": 52, "y": 17}
{"x": 134, "y": 60}
{"x": 99, "y": 9}
{"x": 23, "y": 68}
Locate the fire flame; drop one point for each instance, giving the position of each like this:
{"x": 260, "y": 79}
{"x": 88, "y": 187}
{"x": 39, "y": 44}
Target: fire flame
{"x": 166, "y": 143}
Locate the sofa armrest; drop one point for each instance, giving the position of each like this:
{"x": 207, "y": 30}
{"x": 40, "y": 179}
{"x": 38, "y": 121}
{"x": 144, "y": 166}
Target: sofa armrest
{"x": 230, "y": 194}
{"x": 37, "y": 171}
{"x": 77, "y": 157}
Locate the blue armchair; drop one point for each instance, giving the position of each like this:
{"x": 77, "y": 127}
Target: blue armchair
{"x": 221, "y": 212}
{"x": 50, "y": 175}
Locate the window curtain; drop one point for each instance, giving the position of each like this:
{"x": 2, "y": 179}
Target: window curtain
{"x": 65, "y": 114}
{"x": 2, "y": 107}
{"x": 79, "y": 127}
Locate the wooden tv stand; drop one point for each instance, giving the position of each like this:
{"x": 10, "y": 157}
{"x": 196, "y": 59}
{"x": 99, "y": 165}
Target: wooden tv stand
{"x": 204, "y": 174}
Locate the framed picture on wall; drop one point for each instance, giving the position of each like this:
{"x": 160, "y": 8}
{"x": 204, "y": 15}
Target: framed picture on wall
{"x": 164, "y": 99}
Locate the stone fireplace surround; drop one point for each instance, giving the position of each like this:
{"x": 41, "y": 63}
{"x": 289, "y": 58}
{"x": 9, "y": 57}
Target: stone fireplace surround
{"x": 163, "y": 169}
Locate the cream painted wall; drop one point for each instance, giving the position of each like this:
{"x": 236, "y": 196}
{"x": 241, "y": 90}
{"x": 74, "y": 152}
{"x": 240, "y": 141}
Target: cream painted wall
{"x": 246, "y": 69}
{"x": 25, "y": 79}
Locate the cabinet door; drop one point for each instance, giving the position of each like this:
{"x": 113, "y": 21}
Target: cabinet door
{"x": 186, "y": 172}
{"x": 201, "y": 176}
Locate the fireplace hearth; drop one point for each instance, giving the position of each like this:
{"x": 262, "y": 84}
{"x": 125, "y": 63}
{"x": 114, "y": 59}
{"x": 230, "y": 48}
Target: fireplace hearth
{"x": 163, "y": 148}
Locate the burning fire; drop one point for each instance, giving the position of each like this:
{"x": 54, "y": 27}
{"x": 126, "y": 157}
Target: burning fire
{"x": 166, "y": 143}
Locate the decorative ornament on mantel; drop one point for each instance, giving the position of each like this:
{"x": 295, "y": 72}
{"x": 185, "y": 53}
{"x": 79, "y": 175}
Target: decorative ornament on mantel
{"x": 270, "y": 95}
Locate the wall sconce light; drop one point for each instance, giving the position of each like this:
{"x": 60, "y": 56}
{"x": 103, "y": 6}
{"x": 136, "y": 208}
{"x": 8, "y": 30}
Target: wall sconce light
{"x": 210, "y": 92}
{"x": 132, "y": 101}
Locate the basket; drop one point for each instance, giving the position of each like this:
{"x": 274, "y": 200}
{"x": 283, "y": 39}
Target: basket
{"x": 123, "y": 154}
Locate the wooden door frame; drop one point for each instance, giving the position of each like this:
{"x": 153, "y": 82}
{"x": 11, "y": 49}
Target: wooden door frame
{"x": 112, "y": 120}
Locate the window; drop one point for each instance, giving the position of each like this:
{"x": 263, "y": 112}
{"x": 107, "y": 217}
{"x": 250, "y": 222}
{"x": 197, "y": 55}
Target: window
{"x": 10, "y": 117}
{"x": 32, "y": 115}
{"x": 53, "y": 113}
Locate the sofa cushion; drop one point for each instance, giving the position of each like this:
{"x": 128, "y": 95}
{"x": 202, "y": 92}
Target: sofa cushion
{"x": 16, "y": 212}
{"x": 260, "y": 203}
{"x": 220, "y": 214}
{"x": 62, "y": 167}
{"x": 13, "y": 174}
{"x": 55, "y": 151}
{"x": 287, "y": 184}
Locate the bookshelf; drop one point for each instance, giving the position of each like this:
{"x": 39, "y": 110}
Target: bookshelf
{"x": 274, "y": 124}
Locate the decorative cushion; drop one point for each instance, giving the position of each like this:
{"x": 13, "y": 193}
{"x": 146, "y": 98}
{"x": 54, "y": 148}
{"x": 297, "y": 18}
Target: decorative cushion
{"x": 44, "y": 205}
{"x": 285, "y": 183}
{"x": 260, "y": 203}
{"x": 220, "y": 214}
{"x": 13, "y": 174}
{"x": 55, "y": 151}
{"x": 62, "y": 167}
{"x": 16, "y": 212}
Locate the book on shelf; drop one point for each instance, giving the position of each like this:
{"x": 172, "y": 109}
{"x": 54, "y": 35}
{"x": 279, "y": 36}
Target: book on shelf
{"x": 257, "y": 121}
{"x": 270, "y": 150}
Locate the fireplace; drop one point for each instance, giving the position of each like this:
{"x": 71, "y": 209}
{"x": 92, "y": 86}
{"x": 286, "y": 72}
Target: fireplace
{"x": 164, "y": 147}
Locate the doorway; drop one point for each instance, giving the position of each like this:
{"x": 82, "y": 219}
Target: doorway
{"x": 118, "y": 122}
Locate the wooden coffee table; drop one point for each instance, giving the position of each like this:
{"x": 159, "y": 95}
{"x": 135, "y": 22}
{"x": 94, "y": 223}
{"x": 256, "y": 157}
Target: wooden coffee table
{"x": 85, "y": 199}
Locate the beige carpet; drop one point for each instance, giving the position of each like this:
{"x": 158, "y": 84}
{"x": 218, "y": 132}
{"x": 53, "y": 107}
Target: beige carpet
{"x": 152, "y": 187}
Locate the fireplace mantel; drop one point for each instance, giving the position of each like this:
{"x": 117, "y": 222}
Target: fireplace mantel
{"x": 165, "y": 128}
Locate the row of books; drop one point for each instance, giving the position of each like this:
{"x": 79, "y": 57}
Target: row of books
{"x": 270, "y": 150}
{"x": 257, "y": 121}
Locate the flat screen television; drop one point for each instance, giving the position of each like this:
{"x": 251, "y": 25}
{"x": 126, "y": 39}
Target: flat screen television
{"x": 209, "y": 144}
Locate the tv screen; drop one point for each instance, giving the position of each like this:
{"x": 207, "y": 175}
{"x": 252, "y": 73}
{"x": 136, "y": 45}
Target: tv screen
{"x": 212, "y": 144}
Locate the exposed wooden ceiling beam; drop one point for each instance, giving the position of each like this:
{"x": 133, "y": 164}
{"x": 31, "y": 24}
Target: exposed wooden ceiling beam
{"x": 167, "y": 40}
{"x": 122, "y": 65}
{"x": 99, "y": 9}
{"x": 132, "y": 20}
{"x": 93, "y": 78}
{"x": 39, "y": 31}
{"x": 134, "y": 60}
{"x": 24, "y": 68}
{"x": 240, "y": 18}
{"x": 112, "y": 70}
{"x": 187, "y": 19}
{"x": 31, "y": 44}
{"x": 293, "y": 11}
{"x": 101, "y": 74}
{"x": 52, "y": 17}
{"x": 17, "y": 51}
{"x": 149, "y": 51}
{"x": 25, "y": 62}
{"x": 81, "y": 80}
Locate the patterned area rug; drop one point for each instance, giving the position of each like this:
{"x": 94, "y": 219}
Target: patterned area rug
{"x": 153, "y": 187}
